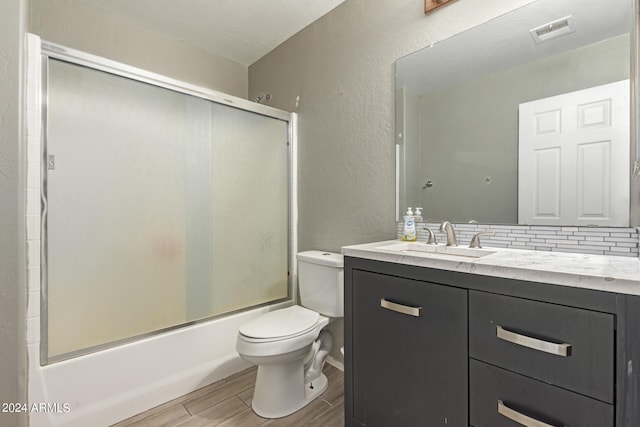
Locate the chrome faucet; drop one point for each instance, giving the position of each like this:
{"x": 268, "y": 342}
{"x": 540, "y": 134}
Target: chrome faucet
{"x": 431, "y": 237}
{"x": 475, "y": 240}
{"x": 447, "y": 228}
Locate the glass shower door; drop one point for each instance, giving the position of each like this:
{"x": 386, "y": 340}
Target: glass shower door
{"x": 161, "y": 208}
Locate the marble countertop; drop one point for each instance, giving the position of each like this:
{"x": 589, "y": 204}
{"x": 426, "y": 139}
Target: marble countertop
{"x": 598, "y": 272}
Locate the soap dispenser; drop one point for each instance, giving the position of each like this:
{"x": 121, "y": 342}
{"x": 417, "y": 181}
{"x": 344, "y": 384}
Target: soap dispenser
{"x": 418, "y": 216}
{"x": 409, "y": 231}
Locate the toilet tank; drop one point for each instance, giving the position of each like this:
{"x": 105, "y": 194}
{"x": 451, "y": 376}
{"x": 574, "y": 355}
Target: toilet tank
{"x": 321, "y": 282}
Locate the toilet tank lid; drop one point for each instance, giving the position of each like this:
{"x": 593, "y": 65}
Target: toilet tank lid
{"x": 322, "y": 258}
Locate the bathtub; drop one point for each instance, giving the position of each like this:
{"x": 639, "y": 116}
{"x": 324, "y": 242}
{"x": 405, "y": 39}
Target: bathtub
{"x": 108, "y": 386}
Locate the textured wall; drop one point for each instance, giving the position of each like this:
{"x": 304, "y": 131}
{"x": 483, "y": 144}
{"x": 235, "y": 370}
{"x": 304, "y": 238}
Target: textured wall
{"x": 342, "y": 68}
{"x": 12, "y": 248}
{"x": 75, "y": 25}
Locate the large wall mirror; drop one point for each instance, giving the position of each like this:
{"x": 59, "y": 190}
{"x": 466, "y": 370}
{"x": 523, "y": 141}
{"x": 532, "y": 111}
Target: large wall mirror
{"x": 523, "y": 119}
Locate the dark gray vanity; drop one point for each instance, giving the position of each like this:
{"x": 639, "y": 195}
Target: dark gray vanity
{"x": 439, "y": 346}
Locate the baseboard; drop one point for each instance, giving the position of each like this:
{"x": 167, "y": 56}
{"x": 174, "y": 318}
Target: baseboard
{"x": 335, "y": 362}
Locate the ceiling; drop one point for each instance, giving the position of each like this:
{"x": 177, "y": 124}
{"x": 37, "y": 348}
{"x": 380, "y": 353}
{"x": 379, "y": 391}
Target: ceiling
{"x": 505, "y": 42}
{"x": 241, "y": 30}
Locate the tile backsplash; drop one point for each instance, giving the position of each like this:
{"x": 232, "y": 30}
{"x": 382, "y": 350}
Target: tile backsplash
{"x": 618, "y": 241}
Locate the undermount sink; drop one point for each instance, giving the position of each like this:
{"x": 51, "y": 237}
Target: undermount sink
{"x": 435, "y": 250}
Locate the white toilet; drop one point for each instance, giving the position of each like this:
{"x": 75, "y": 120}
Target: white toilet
{"x": 290, "y": 345}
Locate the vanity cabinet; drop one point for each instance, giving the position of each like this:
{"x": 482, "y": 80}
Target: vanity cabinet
{"x": 532, "y": 360}
{"x": 486, "y": 351}
{"x": 409, "y": 352}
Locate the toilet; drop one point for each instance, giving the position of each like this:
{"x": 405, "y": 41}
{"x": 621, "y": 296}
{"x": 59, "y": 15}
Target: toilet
{"x": 290, "y": 345}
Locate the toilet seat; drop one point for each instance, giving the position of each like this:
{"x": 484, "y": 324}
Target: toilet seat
{"x": 280, "y": 325}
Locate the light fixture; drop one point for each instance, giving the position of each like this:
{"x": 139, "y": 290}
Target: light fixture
{"x": 553, "y": 29}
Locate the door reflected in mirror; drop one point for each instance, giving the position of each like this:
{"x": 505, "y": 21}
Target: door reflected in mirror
{"x": 459, "y": 119}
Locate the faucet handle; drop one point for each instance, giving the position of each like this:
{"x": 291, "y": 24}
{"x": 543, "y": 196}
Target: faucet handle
{"x": 475, "y": 240}
{"x": 431, "y": 238}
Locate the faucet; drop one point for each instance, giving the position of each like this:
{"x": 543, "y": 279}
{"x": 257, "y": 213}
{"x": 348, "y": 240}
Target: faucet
{"x": 447, "y": 228}
{"x": 475, "y": 240}
{"x": 431, "y": 237}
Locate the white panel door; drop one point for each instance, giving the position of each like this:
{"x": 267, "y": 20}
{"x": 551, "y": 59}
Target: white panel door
{"x": 573, "y": 158}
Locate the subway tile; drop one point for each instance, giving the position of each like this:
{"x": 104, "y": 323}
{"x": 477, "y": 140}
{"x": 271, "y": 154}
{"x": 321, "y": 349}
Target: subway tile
{"x": 562, "y": 242}
{"x": 33, "y": 202}
{"x": 33, "y": 251}
{"x": 625, "y": 254}
{"x": 33, "y": 279}
{"x": 589, "y": 247}
{"x": 545, "y": 245}
{"x": 607, "y": 229}
{"x": 33, "y": 330}
{"x": 591, "y": 234}
{"x": 34, "y": 123}
{"x": 33, "y": 227}
{"x": 578, "y": 239}
{"x": 619, "y": 249}
{"x": 625, "y": 245}
{"x": 621, "y": 239}
{"x": 581, "y": 251}
{"x": 621, "y": 235}
{"x": 33, "y": 176}
{"x": 594, "y": 243}
{"x": 33, "y": 304}
{"x": 544, "y": 228}
{"x": 494, "y": 244}
{"x": 516, "y": 235}
{"x": 33, "y": 150}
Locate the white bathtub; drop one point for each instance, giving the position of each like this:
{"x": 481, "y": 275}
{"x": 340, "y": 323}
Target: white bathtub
{"x": 105, "y": 387}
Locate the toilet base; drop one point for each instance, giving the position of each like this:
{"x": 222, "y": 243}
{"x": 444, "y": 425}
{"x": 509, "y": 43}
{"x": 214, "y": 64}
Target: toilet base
{"x": 280, "y": 390}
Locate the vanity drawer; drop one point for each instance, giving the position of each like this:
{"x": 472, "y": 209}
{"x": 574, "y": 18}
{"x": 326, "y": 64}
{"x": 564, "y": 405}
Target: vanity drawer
{"x": 499, "y": 398}
{"x": 564, "y": 346}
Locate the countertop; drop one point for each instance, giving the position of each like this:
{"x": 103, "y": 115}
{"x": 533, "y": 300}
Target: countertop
{"x": 597, "y": 272}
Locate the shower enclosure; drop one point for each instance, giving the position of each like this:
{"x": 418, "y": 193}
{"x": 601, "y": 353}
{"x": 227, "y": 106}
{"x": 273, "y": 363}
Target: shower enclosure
{"x": 163, "y": 204}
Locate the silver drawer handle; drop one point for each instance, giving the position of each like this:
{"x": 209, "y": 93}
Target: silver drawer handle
{"x": 563, "y": 350}
{"x": 518, "y": 417}
{"x": 404, "y": 309}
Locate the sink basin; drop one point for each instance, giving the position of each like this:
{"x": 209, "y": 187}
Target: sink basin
{"x": 425, "y": 250}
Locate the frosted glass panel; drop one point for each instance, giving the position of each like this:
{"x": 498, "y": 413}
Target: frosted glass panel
{"x": 250, "y": 200}
{"x": 163, "y": 208}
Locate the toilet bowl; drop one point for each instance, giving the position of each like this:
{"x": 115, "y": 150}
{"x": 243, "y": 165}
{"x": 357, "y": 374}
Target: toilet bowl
{"x": 290, "y": 345}
{"x": 280, "y": 350}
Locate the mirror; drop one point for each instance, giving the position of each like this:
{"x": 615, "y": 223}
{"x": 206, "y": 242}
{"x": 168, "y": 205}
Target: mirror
{"x": 464, "y": 107}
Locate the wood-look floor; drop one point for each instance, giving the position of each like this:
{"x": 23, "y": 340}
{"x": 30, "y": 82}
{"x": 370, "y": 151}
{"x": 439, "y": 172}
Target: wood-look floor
{"x": 228, "y": 403}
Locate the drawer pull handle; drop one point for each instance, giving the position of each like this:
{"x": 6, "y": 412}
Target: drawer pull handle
{"x": 404, "y": 309}
{"x": 518, "y": 417}
{"x": 563, "y": 350}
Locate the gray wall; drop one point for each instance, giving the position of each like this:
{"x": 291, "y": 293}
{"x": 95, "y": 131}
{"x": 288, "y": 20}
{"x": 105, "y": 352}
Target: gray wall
{"x": 342, "y": 68}
{"x": 78, "y": 26}
{"x": 12, "y": 235}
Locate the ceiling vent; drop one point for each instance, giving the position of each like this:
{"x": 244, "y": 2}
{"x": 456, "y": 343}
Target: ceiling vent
{"x": 554, "y": 29}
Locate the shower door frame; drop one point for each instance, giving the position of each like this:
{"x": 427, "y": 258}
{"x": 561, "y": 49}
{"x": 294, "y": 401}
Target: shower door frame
{"x": 54, "y": 51}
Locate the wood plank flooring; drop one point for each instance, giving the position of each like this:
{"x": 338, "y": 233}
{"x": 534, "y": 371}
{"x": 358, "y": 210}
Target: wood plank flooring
{"x": 227, "y": 403}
